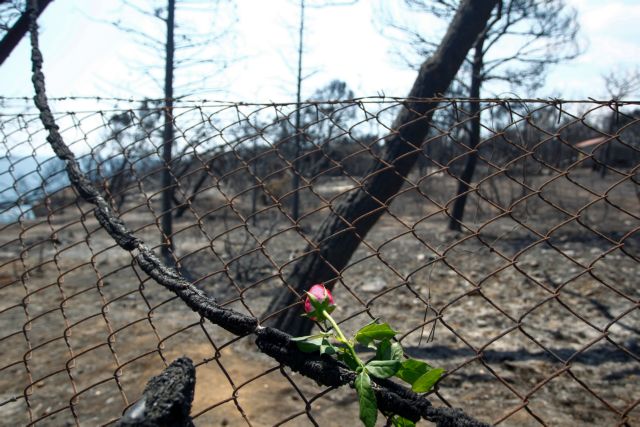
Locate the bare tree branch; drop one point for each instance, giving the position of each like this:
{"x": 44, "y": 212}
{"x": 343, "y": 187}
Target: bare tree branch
{"x": 17, "y": 32}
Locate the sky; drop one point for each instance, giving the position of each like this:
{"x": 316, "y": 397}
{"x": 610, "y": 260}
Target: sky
{"x": 85, "y": 56}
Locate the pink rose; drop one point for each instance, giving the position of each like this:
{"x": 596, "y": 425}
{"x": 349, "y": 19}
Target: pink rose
{"x": 322, "y": 294}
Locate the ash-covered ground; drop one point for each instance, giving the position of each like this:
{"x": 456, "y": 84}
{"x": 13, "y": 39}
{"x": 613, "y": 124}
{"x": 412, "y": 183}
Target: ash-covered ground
{"x": 534, "y": 314}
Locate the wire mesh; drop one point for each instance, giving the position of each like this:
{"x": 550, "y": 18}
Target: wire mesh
{"x": 529, "y": 300}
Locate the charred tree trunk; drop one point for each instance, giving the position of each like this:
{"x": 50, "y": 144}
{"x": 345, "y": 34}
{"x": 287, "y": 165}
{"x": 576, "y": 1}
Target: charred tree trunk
{"x": 340, "y": 234}
{"x": 205, "y": 174}
{"x": 255, "y": 171}
{"x": 17, "y": 32}
{"x": 295, "y": 182}
{"x": 464, "y": 181}
{"x": 168, "y": 184}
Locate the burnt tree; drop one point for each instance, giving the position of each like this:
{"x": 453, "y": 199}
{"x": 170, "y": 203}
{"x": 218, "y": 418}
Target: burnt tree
{"x": 12, "y": 34}
{"x": 168, "y": 135}
{"x": 519, "y": 43}
{"x": 341, "y": 232}
{"x": 548, "y": 32}
{"x": 179, "y": 46}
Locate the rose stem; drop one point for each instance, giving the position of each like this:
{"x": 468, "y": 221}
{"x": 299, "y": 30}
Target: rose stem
{"x": 342, "y": 337}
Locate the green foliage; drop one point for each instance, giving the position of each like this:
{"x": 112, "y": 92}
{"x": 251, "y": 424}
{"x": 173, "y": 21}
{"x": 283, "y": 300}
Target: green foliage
{"x": 427, "y": 381}
{"x": 347, "y": 358}
{"x": 383, "y": 368}
{"x": 398, "y": 421}
{"x": 312, "y": 343}
{"x": 413, "y": 369}
{"x": 327, "y": 348}
{"x": 373, "y": 332}
{"x": 387, "y": 350}
{"x": 420, "y": 375}
{"x": 367, "y": 399}
{"x": 389, "y": 360}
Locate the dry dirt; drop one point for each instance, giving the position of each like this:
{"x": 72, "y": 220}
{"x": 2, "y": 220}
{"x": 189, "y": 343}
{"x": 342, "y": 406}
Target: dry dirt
{"x": 517, "y": 325}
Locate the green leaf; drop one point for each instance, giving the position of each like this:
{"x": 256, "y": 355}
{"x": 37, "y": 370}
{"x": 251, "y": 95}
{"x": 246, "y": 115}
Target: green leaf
{"x": 345, "y": 356}
{"x": 397, "y": 353}
{"x": 383, "y": 368}
{"x": 412, "y": 369}
{"x": 426, "y": 382}
{"x": 383, "y": 350}
{"x": 307, "y": 337}
{"x": 387, "y": 350}
{"x": 326, "y": 347}
{"x": 398, "y": 421}
{"x": 367, "y": 399}
{"x": 310, "y": 343}
{"x": 373, "y": 332}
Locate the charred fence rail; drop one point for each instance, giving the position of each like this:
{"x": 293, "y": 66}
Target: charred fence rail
{"x": 528, "y": 299}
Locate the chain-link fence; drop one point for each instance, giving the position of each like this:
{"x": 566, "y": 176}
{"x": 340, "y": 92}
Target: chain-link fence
{"x": 511, "y": 260}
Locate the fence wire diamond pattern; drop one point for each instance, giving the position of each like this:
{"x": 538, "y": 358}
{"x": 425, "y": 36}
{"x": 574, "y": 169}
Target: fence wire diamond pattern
{"x": 529, "y": 300}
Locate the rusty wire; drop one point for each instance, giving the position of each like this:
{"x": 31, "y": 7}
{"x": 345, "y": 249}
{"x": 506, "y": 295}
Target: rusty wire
{"x": 532, "y": 307}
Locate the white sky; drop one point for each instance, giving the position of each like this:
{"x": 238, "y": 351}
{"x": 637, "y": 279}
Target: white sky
{"x": 86, "y": 58}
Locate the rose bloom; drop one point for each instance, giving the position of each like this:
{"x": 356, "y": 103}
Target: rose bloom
{"x": 321, "y": 293}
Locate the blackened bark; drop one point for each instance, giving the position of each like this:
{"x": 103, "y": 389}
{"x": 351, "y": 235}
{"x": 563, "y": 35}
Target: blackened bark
{"x": 295, "y": 182}
{"x": 340, "y": 234}
{"x": 166, "y": 400}
{"x": 464, "y": 181}
{"x": 184, "y": 205}
{"x": 17, "y": 31}
{"x": 168, "y": 184}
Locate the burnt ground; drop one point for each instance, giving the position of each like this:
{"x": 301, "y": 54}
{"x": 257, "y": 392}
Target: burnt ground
{"x": 534, "y": 315}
